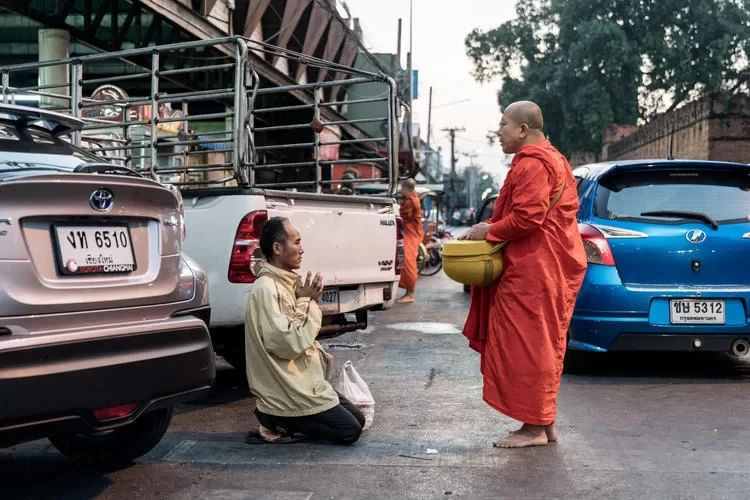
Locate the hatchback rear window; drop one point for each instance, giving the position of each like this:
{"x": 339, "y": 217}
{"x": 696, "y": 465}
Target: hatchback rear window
{"x": 722, "y": 195}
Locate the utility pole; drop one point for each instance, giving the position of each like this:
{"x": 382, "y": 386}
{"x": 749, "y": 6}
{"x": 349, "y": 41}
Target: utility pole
{"x": 410, "y": 57}
{"x": 429, "y": 130}
{"x": 429, "y": 119}
{"x": 452, "y": 185}
{"x": 398, "y": 45}
{"x": 471, "y": 179}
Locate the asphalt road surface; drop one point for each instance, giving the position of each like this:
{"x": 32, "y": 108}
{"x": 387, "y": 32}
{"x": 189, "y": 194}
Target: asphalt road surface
{"x": 637, "y": 426}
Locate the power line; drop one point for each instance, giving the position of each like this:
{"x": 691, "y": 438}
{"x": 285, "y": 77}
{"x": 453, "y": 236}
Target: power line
{"x": 295, "y": 19}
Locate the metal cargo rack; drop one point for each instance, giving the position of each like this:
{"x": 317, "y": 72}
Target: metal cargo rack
{"x": 200, "y": 116}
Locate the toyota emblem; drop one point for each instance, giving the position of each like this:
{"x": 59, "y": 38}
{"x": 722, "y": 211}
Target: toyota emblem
{"x": 695, "y": 236}
{"x": 102, "y": 200}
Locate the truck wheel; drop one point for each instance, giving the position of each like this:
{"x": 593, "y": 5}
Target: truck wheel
{"x": 235, "y": 357}
{"x": 121, "y": 445}
{"x": 229, "y": 343}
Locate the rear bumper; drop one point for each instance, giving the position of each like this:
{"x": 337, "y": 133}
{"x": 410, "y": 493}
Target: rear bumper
{"x": 679, "y": 343}
{"x": 611, "y": 316}
{"x": 54, "y": 388}
{"x": 229, "y": 301}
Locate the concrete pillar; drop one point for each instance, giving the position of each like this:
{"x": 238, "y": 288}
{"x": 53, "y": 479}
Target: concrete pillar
{"x": 54, "y": 44}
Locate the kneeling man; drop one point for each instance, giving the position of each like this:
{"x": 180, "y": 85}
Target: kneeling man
{"x": 287, "y": 369}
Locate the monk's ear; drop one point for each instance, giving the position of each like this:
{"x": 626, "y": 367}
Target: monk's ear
{"x": 524, "y": 129}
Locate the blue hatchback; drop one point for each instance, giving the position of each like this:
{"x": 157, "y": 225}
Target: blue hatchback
{"x": 667, "y": 243}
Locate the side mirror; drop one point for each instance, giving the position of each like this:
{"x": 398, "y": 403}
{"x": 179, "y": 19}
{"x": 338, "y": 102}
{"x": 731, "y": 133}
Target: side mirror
{"x": 487, "y": 208}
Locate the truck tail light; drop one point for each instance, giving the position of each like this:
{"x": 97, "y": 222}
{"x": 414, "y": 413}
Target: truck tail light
{"x": 247, "y": 257}
{"x": 399, "y": 245}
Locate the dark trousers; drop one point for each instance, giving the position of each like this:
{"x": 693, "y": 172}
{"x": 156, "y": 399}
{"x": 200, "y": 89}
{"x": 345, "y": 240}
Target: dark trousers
{"x": 341, "y": 424}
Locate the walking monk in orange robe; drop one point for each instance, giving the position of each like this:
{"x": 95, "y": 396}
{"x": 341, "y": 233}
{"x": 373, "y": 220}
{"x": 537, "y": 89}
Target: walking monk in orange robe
{"x": 519, "y": 323}
{"x": 411, "y": 215}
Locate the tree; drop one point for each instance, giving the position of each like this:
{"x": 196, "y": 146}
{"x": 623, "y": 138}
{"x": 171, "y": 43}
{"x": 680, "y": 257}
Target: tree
{"x": 589, "y": 63}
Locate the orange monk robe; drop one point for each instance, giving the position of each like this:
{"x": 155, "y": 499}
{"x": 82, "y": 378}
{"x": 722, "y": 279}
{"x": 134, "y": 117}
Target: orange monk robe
{"x": 411, "y": 214}
{"x": 519, "y": 323}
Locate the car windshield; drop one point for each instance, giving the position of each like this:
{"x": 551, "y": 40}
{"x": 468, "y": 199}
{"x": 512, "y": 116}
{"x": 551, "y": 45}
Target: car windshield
{"x": 674, "y": 197}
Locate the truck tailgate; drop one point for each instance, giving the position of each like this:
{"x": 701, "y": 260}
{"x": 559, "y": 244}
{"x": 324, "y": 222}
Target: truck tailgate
{"x": 349, "y": 242}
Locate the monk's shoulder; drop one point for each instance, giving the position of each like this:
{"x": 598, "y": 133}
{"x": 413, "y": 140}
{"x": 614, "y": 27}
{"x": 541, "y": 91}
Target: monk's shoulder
{"x": 528, "y": 161}
{"x": 528, "y": 166}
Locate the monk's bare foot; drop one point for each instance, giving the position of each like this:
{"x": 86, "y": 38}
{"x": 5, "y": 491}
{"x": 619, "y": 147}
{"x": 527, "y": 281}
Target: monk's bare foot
{"x": 551, "y": 431}
{"x": 406, "y": 299}
{"x": 528, "y": 435}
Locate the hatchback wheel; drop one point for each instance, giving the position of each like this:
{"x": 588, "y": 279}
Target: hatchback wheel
{"x": 578, "y": 362}
{"x": 121, "y": 445}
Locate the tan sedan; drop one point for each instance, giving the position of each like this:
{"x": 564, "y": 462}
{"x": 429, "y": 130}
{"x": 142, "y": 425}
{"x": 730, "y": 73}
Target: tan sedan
{"x": 102, "y": 318}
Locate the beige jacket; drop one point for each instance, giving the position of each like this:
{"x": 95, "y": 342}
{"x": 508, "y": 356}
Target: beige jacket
{"x": 287, "y": 369}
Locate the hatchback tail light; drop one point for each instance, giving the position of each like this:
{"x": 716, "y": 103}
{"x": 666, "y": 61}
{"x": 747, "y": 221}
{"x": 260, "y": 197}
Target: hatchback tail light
{"x": 596, "y": 245}
{"x": 399, "y": 245}
{"x": 247, "y": 257}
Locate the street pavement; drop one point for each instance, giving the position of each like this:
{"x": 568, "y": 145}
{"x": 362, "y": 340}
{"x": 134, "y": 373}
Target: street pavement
{"x": 638, "y": 426}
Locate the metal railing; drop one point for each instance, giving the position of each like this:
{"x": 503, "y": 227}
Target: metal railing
{"x": 201, "y": 116}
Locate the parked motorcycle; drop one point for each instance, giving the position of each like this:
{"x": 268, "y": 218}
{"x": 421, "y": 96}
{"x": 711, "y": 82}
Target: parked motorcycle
{"x": 430, "y": 257}
{"x": 430, "y": 254}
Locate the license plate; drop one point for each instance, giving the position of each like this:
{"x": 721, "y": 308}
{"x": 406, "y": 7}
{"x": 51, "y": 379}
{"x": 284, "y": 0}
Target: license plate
{"x": 329, "y": 301}
{"x": 94, "y": 249}
{"x": 697, "y": 312}
{"x": 329, "y": 297}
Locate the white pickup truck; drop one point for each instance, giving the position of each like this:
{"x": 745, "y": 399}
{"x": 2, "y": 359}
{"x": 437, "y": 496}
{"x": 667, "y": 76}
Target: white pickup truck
{"x": 351, "y": 240}
{"x": 243, "y": 149}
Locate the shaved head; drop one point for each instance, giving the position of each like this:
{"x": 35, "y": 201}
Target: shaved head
{"x": 521, "y": 124}
{"x": 408, "y": 185}
{"x": 525, "y": 112}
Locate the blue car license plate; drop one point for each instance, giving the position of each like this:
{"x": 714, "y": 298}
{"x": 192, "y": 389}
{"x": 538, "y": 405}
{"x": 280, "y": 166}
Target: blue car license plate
{"x": 697, "y": 312}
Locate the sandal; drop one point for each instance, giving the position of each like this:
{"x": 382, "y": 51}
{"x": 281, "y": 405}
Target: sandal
{"x": 255, "y": 436}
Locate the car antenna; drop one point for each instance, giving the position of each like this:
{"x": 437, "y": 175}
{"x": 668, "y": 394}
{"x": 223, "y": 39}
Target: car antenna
{"x": 670, "y": 156}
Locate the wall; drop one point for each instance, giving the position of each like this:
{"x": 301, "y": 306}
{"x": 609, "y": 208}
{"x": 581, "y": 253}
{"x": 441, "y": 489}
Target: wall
{"x": 716, "y": 127}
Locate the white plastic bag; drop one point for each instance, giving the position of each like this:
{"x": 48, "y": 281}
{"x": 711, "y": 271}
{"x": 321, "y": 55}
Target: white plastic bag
{"x": 349, "y": 384}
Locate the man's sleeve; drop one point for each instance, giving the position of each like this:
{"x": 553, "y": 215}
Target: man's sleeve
{"x": 287, "y": 337}
{"x": 529, "y": 201}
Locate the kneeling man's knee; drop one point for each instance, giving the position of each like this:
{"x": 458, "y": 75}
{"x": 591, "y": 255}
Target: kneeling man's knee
{"x": 350, "y": 435}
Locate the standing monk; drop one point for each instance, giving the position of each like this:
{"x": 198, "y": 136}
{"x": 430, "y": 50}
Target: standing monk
{"x": 411, "y": 215}
{"x": 519, "y": 323}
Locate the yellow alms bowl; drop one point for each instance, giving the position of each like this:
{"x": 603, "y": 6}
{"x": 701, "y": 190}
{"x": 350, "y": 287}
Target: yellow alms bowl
{"x": 472, "y": 262}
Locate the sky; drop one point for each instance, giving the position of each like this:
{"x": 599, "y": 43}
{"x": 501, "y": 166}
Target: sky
{"x": 439, "y": 30}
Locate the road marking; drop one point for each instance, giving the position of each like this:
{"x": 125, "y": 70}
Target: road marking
{"x": 255, "y": 495}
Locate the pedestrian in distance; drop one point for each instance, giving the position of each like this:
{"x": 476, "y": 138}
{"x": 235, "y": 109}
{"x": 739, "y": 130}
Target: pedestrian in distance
{"x": 411, "y": 217}
{"x": 287, "y": 369}
{"x": 519, "y": 322}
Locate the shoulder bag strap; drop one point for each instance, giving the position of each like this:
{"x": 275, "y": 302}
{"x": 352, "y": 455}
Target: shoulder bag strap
{"x": 557, "y": 197}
